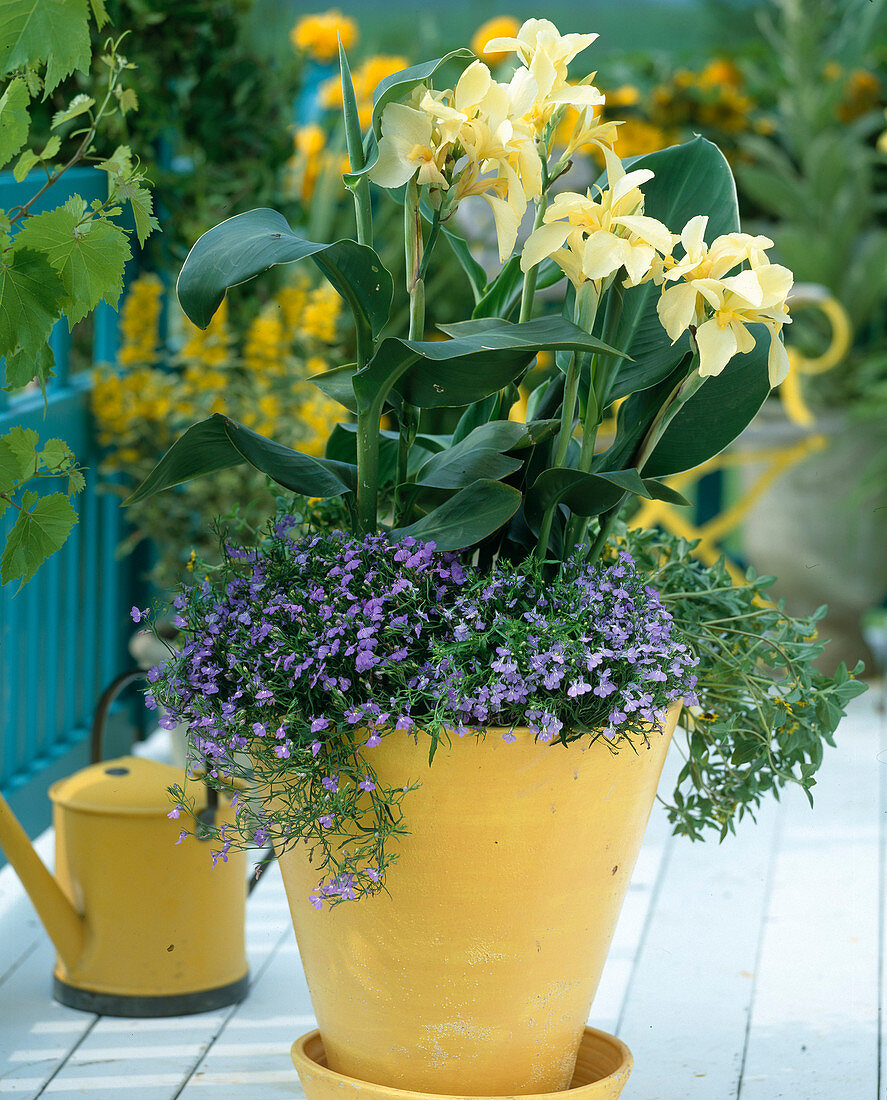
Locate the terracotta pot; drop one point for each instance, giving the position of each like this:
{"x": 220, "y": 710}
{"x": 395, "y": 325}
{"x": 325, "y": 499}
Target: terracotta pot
{"x": 474, "y": 974}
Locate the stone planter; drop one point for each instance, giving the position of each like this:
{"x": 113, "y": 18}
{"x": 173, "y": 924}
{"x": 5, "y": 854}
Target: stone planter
{"x": 816, "y": 531}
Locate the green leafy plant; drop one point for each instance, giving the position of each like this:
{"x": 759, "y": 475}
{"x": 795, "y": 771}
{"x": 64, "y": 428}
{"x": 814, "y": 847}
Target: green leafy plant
{"x": 58, "y": 262}
{"x": 816, "y": 182}
{"x": 764, "y": 710}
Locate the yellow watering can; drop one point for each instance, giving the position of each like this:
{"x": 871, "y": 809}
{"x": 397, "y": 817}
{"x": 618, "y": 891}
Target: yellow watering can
{"x": 142, "y": 926}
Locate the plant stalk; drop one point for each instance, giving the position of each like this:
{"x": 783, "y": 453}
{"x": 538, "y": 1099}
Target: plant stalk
{"x": 671, "y": 407}
{"x": 529, "y": 287}
{"x": 416, "y": 264}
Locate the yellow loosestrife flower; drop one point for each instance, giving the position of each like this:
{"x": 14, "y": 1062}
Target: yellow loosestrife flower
{"x": 140, "y": 321}
{"x": 210, "y": 346}
{"x": 321, "y": 314}
{"x": 318, "y": 35}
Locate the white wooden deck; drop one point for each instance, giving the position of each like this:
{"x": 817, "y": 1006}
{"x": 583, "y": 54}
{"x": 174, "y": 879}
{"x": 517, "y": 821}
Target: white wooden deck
{"x": 748, "y": 970}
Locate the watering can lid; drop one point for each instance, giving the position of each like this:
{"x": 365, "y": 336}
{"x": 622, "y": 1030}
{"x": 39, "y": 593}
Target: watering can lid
{"x": 130, "y": 785}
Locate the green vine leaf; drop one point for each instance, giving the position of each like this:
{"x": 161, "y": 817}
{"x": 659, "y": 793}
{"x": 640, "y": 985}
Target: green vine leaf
{"x": 79, "y": 105}
{"x": 31, "y": 298}
{"x": 88, "y": 255}
{"x": 40, "y": 529}
{"x": 52, "y": 31}
{"x": 24, "y": 164}
{"x": 24, "y": 367}
{"x": 14, "y": 119}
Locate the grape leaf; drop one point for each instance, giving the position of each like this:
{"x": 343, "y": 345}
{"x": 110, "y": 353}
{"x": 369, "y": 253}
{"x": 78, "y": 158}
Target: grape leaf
{"x": 10, "y": 471}
{"x": 24, "y": 164}
{"x": 51, "y": 31}
{"x": 24, "y": 366}
{"x": 50, "y": 149}
{"x": 78, "y": 106}
{"x": 99, "y": 13}
{"x": 14, "y": 120}
{"x": 90, "y": 256}
{"x": 22, "y": 445}
{"x": 55, "y": 454}
{"x": 31, "y": 297}
{"x": 40, "y": 529}
{"x": 141, "y": 201}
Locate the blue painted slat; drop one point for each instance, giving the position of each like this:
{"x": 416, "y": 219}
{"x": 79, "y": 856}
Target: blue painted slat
{"x": 51, "y": 652}
{"x": 27, "y": 735}
{"x": 105, "y": 334}
{"x": 60, "y": 342}
{"x": 89, "y": 581}
{"x": 71, "y": 632}
{"x": 9, "y": 682}
{"x": 109, "y": 590}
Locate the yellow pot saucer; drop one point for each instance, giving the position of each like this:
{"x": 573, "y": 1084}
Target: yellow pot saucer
{"x": 602, "y": 1069}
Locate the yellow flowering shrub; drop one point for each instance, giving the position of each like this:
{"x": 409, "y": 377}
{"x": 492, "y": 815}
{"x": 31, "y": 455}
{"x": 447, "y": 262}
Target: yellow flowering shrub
{"x": 318, "y": 35}
{"x": 863, "y": 92}
{"x": 258, "y": 377}
{"x": 712, "y": 100}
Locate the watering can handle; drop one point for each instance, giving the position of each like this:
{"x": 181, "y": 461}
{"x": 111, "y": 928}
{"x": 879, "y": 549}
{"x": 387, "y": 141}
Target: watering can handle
{"x": 96, "y": 753}
{"x": 100, "y": 718}
{"x": 96, "y": 748}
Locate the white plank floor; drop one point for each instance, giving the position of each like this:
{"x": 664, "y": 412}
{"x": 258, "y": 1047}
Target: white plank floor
{"x": 751, "y": 970}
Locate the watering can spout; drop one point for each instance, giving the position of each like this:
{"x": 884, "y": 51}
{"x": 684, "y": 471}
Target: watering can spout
{"x": 61, "y": 920}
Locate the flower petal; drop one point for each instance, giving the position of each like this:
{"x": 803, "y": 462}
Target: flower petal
{"x": 693, "y": 235}
{"x": 717, "y": 346}
{"x": 677, "y": 309}
{"x": 542, "y": 242}
{"x": 778, "y": 364}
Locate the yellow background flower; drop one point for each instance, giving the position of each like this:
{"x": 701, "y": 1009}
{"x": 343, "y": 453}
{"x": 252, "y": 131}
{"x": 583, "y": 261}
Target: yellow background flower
{"x": 500, "y": 26}
{"x": 318, "y": 35}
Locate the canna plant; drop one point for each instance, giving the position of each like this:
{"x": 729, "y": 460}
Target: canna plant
{"x": 669, "y": 316}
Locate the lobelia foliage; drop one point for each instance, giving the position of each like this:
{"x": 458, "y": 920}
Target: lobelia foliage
{"x": 59, "y": 262}
{"x": 670, "y": 320}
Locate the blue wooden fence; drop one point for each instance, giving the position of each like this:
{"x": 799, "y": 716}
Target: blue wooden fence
{"x": 63, "y": 636}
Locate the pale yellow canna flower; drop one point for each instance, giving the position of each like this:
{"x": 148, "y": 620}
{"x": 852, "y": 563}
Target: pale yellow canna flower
{"x": 546, "y": 53}
{"x": 593, "y": 239}
{"x": 406, "y": 148}
{"x": 726, "y": 252}
{"x": 500, "y": 26}
{"x": 588, "y": 129}
{"x": 721, "y": 309}
{"x": 541, "y": 38}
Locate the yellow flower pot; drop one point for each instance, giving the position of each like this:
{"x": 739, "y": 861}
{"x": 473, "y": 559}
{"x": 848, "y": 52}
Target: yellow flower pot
{"x": 474, "y": 974}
